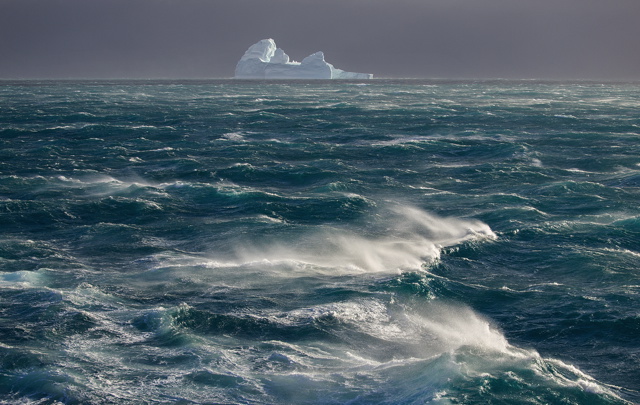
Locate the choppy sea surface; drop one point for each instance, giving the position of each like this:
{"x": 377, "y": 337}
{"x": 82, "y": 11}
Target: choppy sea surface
{"x": 384, "y": 242}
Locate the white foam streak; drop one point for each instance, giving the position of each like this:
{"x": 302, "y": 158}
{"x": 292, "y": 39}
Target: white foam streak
{"x": 568, "y": 375}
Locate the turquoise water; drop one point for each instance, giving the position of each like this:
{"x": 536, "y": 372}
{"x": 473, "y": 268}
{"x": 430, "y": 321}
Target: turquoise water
{"x": 387, "y": 242}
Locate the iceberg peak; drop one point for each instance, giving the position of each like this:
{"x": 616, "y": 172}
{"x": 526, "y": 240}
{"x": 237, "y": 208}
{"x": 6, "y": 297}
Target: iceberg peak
{"x": 264, "y": 60}
{"x": 262, "y": 50}
{"x": 317, "y": 58}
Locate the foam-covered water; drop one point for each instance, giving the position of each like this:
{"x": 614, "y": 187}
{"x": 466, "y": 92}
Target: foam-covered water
{"x": 391, "y": 242}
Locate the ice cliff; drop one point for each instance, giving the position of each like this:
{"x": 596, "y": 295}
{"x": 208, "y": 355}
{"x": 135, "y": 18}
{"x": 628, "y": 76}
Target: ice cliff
{"x": 264, "y": 60}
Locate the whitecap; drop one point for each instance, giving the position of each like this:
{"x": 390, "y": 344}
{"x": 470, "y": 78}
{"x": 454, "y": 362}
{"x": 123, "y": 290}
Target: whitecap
{"x": 233, "y": 136}
{"x": 406, "y": 239}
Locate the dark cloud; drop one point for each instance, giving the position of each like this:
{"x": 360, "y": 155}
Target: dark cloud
{"x": 400, "y": 38}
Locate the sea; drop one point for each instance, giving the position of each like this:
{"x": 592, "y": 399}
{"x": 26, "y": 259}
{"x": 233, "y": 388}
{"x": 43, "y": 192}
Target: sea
{"x": 321, "y": 242}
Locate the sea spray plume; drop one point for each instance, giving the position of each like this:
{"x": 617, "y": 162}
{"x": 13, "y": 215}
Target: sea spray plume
{"x": 419, "y": 330}
{"x": 400, "y": 238}
{"x": 445, "y": 231}
{"x": 418, "y": 350}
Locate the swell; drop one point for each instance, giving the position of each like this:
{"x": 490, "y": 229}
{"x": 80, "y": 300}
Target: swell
{"x": 448, "y": 242}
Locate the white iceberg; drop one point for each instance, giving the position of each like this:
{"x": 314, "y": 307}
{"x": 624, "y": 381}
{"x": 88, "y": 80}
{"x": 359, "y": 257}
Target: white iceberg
{"x": 264, "y": 60}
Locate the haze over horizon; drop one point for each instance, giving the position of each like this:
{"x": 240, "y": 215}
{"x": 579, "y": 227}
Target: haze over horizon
{"x": 524, "y": 39}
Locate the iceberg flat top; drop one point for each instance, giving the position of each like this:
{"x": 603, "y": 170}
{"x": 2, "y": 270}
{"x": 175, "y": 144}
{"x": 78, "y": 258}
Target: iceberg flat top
{"x": 264, "y": 60}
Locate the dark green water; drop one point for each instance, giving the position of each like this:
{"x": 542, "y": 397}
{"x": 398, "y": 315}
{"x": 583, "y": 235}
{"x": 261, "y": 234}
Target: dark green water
{"x": 388, "y": 242}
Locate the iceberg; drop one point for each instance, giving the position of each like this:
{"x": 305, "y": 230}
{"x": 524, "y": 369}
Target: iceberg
{"x": 264, "y": 60}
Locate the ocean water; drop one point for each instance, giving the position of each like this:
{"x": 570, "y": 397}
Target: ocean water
{"x": 385, "y": 242}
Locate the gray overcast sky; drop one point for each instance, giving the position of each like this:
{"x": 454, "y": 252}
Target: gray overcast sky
{"x": 556, "y": 39}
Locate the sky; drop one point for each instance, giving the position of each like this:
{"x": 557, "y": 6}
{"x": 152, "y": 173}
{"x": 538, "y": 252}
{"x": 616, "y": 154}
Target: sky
{"x": 519, "y": 39}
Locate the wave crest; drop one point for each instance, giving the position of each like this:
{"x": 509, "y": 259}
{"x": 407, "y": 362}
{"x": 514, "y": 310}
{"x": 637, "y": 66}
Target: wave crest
{"x": 402, "y": 238}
